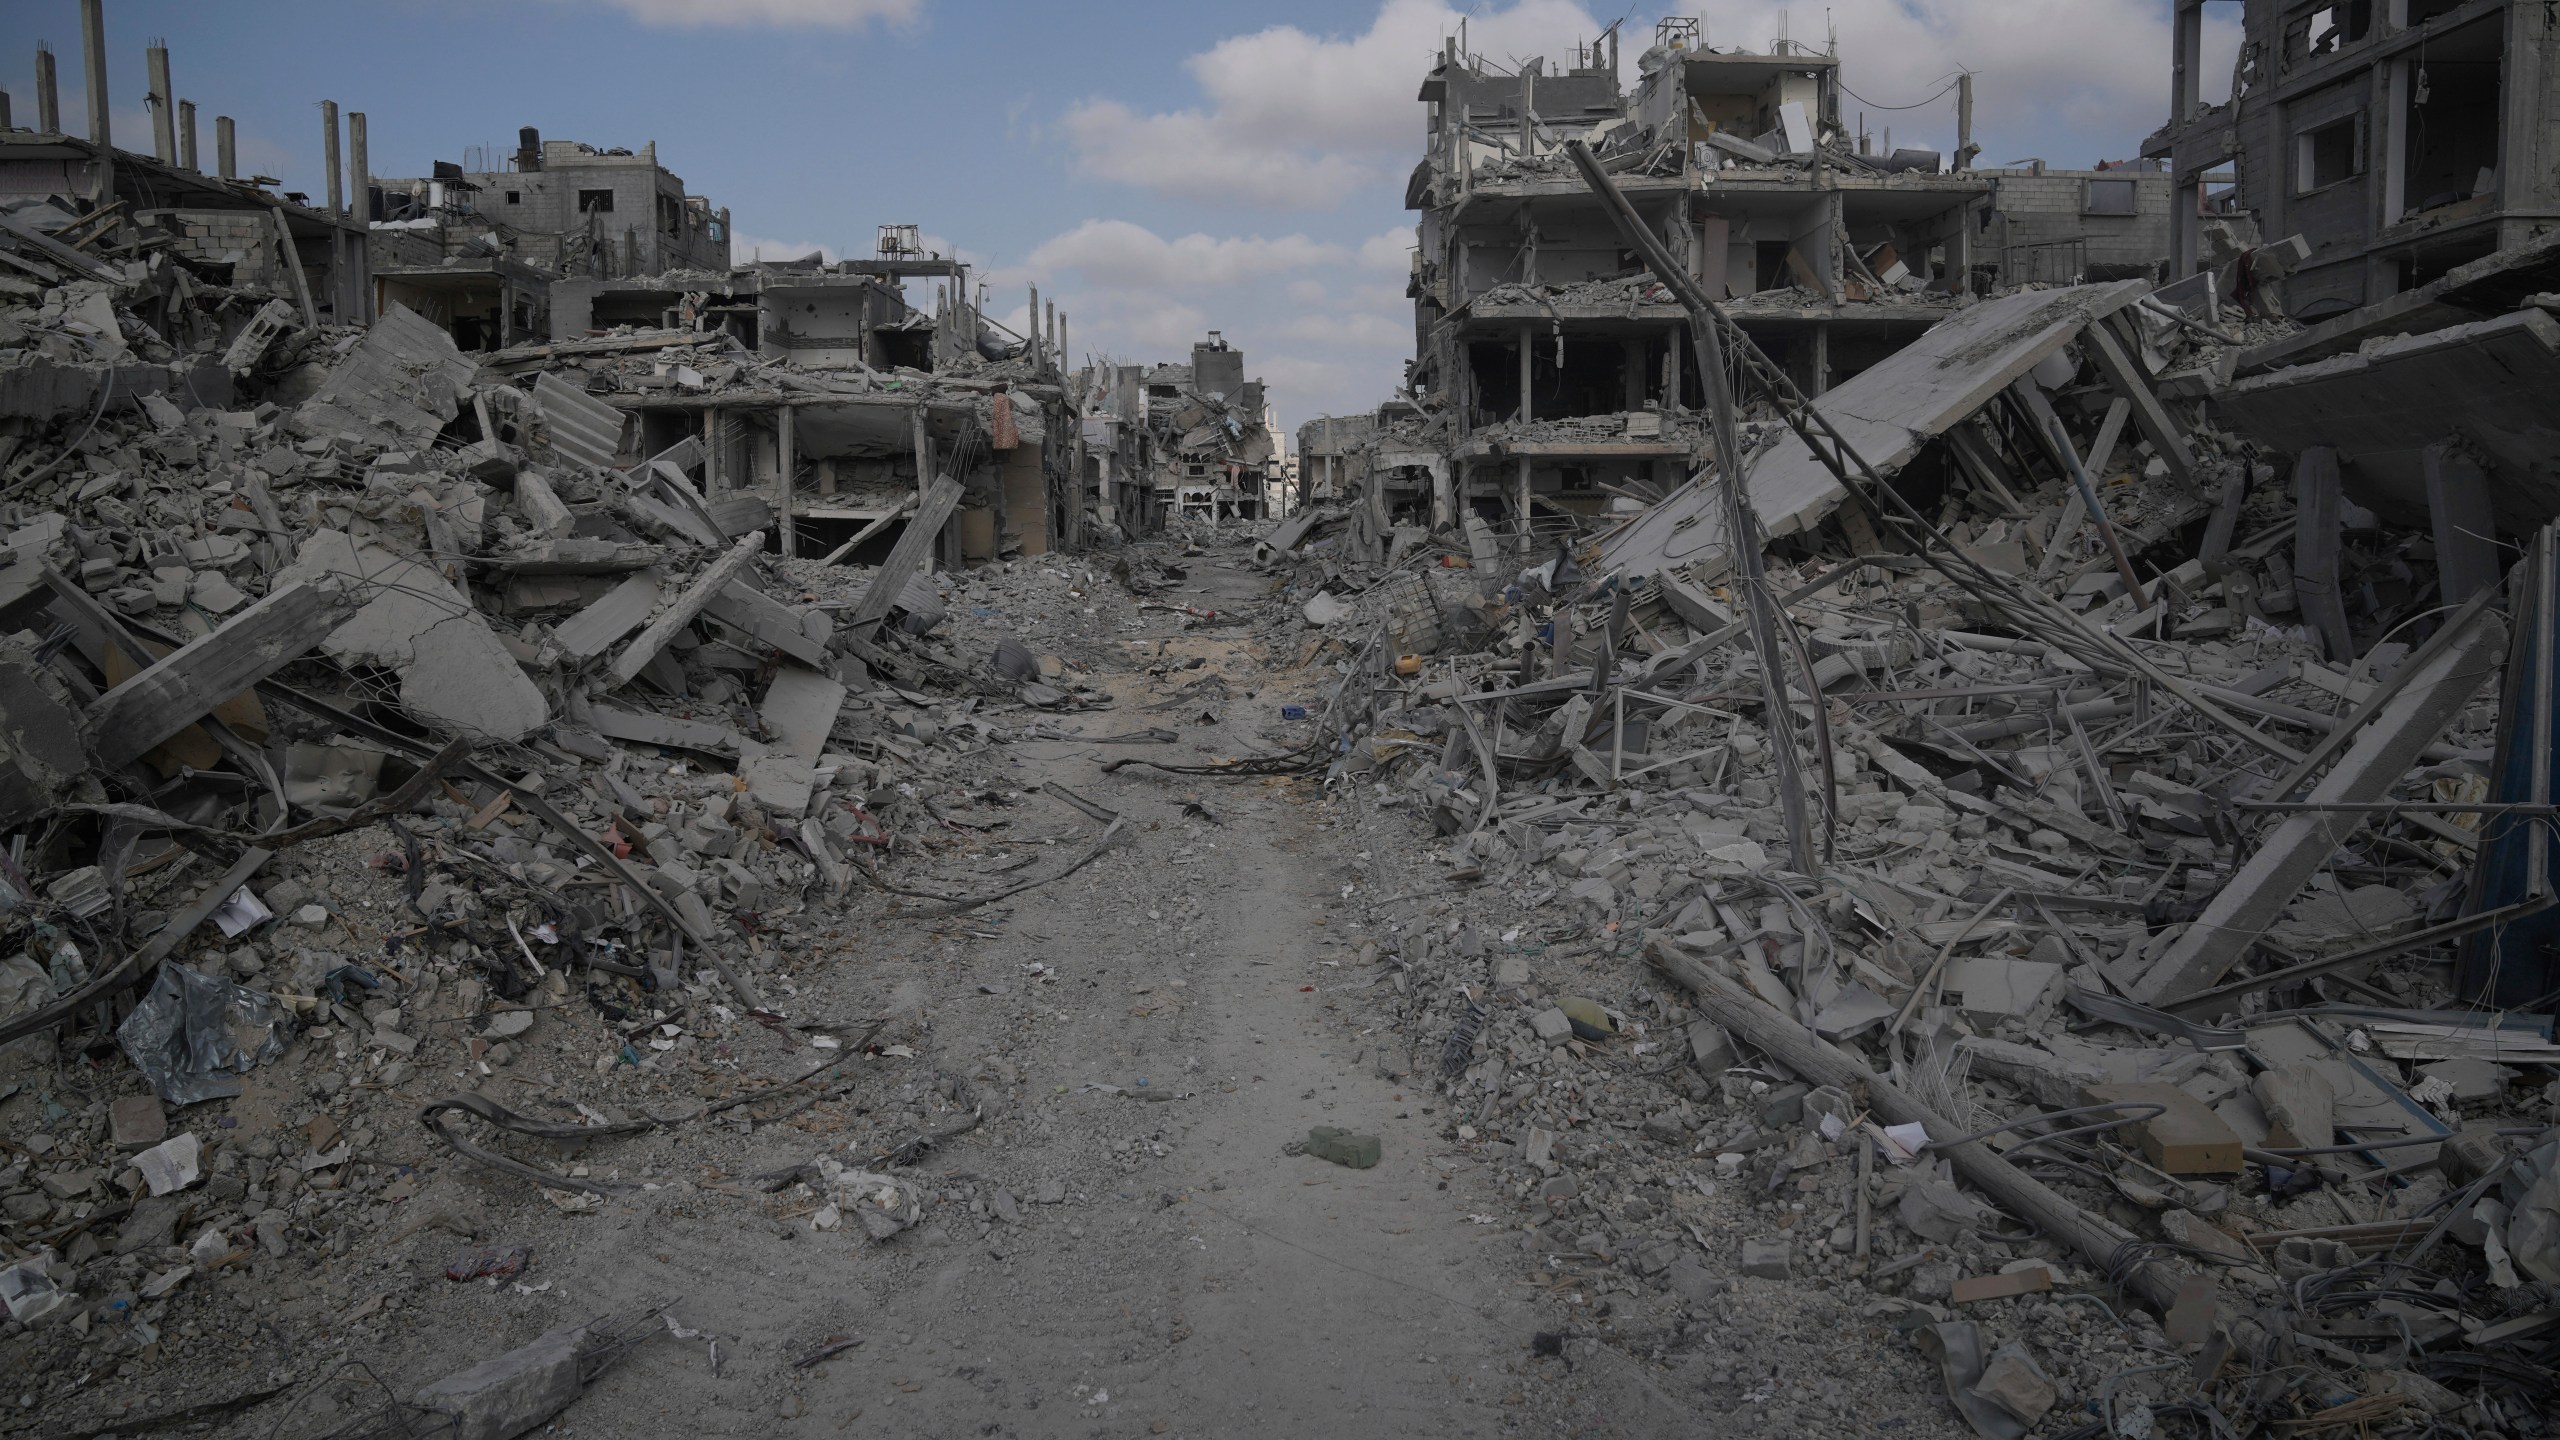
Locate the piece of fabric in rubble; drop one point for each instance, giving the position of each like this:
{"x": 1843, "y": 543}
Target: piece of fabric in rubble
{"x": 1957, "y": 1347}
{"x": 194, "y": 1035}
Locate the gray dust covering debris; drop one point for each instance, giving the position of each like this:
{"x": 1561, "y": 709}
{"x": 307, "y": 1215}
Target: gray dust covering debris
{"x": 1887, "y": 799}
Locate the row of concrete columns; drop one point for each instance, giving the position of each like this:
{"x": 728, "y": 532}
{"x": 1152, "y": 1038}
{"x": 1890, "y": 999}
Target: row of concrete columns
{"x": 173, "y": 121}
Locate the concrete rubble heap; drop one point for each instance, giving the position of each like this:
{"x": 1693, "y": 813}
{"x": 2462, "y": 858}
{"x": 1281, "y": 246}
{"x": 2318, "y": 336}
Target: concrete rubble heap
{"x": 375, "y": 710}
{"x": 1988, "y": 805}
{"x": 2130, "y": 886}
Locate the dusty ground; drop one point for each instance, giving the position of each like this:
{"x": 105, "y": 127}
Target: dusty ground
{"x": 1145, "y": 1259}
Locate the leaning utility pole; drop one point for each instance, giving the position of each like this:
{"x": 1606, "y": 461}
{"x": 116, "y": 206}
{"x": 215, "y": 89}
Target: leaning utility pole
{"x": 1742, "y": 523}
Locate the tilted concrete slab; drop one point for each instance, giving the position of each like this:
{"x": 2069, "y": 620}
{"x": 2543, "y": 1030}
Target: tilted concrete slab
{"x": 1887, "y": 413}
{"x": 2491, "y": 382}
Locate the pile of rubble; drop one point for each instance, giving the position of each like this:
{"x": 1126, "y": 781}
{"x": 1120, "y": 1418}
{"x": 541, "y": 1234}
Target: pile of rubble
{"x": 376, "y": 716}
{"x": 2128, "y": 889}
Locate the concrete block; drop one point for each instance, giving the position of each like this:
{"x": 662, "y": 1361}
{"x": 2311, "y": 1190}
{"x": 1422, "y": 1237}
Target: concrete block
{"x": 2014, "y": 1382}
{"x": 1764, "y": 1258}
{"x": 502, "y": 1398}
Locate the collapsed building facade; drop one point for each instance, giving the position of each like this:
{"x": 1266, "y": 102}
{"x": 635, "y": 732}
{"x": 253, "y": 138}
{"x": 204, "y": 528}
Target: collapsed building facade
{"x": 2403, "y": 137}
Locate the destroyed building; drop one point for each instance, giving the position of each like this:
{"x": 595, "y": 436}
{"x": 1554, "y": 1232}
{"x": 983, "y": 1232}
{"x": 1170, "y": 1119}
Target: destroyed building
{"x": 2401, "y": 138}
{"x": 1548, "y": 363}
{"x": 476, "y": 251}
{"x": 2002, "y": 887}
{"x": 219, "y": 228}
{"x": 1194, "y": 441}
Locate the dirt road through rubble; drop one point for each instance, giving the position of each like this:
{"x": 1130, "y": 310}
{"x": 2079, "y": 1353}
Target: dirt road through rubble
{"x": 1188, "y": 1276}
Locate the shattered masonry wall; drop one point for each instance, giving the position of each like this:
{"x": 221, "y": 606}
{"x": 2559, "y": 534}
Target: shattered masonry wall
{"x": 2053, "y": 206}
{"x": 242, "y": 239}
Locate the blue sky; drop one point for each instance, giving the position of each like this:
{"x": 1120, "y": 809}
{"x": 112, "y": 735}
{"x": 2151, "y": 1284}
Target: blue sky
{"x": 1159, "y": 169}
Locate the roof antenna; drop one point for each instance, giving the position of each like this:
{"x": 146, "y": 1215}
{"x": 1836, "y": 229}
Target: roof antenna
{"x": 1833, "y": 23}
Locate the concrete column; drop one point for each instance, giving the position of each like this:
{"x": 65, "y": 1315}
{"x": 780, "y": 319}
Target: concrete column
{"x": 1820, "y": 369}
{"x": 1634, "y": 352}
{"x": 1528, "y": 352}
{"x": 93, "y": 65}
{"x": 226, "y": 148}
{"x": 788, "y": 442}
{"x": 1444, "y": 495}
{"x": 2316, "y": 485}
{"x": 2186, "y": 61}
{"x": 1965, "y": 148}
{"x": 1031, "y": 328}
{"x": 329, "y": 157}
{"x": 715, "y": 461}
{"x": 48, "y": 94}
{"x": 2465, "y": 529}
{"x": 359, "y": 170}
{"x": 187, "y": 135}
{"x": 164, "y": 108}
{"x": 1524, "y": 497}
{"x": 1671, "y": 385}
{"x": 6, "y": 122}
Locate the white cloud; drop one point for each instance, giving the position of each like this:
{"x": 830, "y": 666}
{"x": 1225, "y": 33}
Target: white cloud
{"x": 2069, "y": 81}
{"x": 1367, "y": 329}
{"x": 1290, "y": 119}
{"x": 1390, "y": 251}
{"x": 744, "y": 247}
{"x": 1115, "y": 254}
{"x": 780, "y": 14}
{"x": 1294, "y": 119}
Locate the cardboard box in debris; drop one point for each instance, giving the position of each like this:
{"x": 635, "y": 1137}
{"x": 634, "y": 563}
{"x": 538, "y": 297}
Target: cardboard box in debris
{"x": 2170, "y": 912}
{"x": 353, "y": 692}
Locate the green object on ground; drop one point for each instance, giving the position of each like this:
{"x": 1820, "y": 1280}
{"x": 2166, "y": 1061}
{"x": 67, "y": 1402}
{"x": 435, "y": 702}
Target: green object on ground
{"x": 1360, "y": 1152}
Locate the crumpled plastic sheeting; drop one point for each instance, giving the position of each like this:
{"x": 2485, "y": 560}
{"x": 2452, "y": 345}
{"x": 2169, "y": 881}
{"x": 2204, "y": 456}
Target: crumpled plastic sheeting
{"x": 194, "y": 1035}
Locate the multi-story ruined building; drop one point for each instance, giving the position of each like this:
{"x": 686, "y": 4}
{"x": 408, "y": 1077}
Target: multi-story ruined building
{"x": 476, "y": 251}
{"x": 2399, "y": 138}
{"x": 1192, "y": 440}
{"x": 1551, "y": 371}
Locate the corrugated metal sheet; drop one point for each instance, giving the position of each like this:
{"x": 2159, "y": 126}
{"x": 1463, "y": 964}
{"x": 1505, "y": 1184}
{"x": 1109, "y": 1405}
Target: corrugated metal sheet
{"x": 582, "y": 427}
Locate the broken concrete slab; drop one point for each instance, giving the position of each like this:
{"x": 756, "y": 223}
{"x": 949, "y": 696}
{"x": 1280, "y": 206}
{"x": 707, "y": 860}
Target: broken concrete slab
{"x": 1886, "y": 412}
{"x": 623, "y": 609}
{"x": 577, "y": 426}
{"x": 799, "y": 710}
{"x": 455, "y": 673}
{"x": 396, "y": 390}
{"x": 644, "y": 648}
